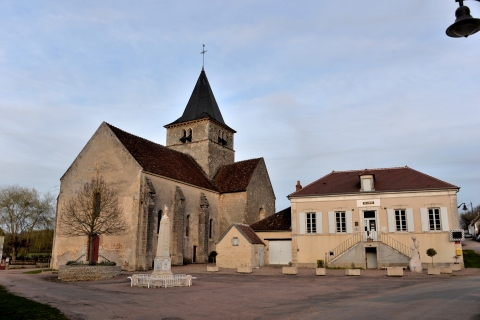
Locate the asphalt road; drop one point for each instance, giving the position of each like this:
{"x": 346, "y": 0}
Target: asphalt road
{"x": 262, "y": 295}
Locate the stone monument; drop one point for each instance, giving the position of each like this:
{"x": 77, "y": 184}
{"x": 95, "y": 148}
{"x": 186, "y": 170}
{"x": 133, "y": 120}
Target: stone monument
{"x": 415, "y": 264}
{"x": 162, "y": 263}
{"x": 162, "y": 275}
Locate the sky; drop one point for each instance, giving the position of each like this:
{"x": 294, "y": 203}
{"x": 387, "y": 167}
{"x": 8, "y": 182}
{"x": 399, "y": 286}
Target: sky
{"x": 311, "y": 86}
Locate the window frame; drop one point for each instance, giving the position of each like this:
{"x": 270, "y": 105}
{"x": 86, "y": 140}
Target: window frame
{"x": 235, "y": 241}
{"x": 340, "y": 226}
{"x": 437, "y": 221}
{"x": 398, "y": 220}
{"x": 310, "y": 222}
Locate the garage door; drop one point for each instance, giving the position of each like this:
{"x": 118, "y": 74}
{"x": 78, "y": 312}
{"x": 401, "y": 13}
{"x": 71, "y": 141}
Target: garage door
{"x": 280, "y": 252}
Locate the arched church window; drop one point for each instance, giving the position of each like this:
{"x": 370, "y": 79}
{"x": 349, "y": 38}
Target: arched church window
{"x": 159, "y": 218}
{"x": 96, "y": 204}
{"x": 186, "y": 136}
{"x": 210, "y": 227}
{"x": 261, "y": 213}
{"x": 221, "y": 139}
{"x": 187, "y": 226}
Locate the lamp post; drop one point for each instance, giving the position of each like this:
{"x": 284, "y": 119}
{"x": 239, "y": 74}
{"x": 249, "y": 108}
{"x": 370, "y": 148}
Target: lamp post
{"x": 465, "y": 24}
{"x": 465, "y": 206}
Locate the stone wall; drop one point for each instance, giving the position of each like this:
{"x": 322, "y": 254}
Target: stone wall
{"x": 244, "y": 254}
{"x": 260, "y": 196}
{"x": 232, "y": 207}
{"x": 87, "y": 273}
{"x": 121, "y": 172}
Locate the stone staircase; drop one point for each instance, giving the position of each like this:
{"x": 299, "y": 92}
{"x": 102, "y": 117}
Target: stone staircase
{"x": 358, "y": 238}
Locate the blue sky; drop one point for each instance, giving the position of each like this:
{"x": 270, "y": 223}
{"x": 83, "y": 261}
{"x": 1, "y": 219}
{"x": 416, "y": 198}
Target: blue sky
{"x": 311, "y": 86}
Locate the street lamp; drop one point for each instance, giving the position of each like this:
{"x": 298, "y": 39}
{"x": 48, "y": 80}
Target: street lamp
{"x": 465, "y": 24}
{"x": 465, "y": 206}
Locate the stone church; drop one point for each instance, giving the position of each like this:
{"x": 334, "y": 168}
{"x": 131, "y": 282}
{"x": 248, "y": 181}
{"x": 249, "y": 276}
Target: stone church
{"x": 194, "y": 176}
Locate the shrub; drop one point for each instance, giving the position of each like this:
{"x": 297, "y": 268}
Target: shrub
{"x": 212, "y": 257}
{"x": 320, "y": 264}
{"x": 431, "y": 252}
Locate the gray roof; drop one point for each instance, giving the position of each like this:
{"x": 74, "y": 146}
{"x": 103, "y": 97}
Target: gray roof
{"x": 202, "y": 103}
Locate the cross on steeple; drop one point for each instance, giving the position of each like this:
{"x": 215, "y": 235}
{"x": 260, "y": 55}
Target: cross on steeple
{"x": 203, "y": 52}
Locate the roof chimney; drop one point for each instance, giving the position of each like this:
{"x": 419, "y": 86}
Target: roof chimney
{"x": 298, "y": 186}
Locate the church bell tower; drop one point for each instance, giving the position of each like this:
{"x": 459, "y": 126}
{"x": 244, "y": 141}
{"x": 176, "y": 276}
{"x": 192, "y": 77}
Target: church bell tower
{"x": 201, "y": 131}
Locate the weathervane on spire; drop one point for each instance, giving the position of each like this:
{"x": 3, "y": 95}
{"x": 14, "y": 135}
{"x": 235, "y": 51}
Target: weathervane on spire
{"x": 203, "y": 52}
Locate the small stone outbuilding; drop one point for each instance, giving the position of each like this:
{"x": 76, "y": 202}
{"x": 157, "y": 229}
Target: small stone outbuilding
{"x": 240, "y": 246}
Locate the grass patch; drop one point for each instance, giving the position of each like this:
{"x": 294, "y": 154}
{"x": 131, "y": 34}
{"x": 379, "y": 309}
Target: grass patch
{"x": 37, "y": 271}
{"x": 471, "y": 259}
{"x": 18, "y": 308}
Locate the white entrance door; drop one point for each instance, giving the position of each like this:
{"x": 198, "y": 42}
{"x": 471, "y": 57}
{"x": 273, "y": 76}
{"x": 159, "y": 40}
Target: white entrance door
{"x": 280, "y": 251}
{"x": 370, "y": 226}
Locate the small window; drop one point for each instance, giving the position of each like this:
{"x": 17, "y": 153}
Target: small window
{"x": 261, "y": 213}
{"x": 401, "y": 220}
{"x": 434, "y": 219}
{"x": 159, "y": 218}
{"x": 187, "y": 226}
{"x": 235, "y": 241}
{"x": 96, "y": 204}
{"x": 311, "y": 222}
{"x": 210, "y": 228}
{"x": 340, "y": 222}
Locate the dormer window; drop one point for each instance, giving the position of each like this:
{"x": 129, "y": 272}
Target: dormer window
{"x": 366, "y": 184}
{"x": 367, "y": 181}
{"x": 186, "y": 136}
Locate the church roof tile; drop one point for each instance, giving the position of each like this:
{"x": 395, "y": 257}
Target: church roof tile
{"x": 280, "y": 221}
{"x": 235, "y": 177}
{"x": 160, "y": 160}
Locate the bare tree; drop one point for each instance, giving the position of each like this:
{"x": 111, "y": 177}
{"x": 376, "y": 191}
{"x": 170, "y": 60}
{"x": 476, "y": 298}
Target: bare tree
{"x": 22, "y": 211}
{"x": 93, "y": 211}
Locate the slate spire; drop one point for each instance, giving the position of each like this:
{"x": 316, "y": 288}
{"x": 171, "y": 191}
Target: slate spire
{"x": 202, "y": 103}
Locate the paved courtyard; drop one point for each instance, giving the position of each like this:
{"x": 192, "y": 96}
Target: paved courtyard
{"x": 265, "y": 294}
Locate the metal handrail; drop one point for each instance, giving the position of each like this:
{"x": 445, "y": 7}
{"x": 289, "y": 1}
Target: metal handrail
{"x": 104, "y": 257}
{"x": 395, "y": 244}
{"x": 79, "y": 257}
{"x": 344, "y": 246}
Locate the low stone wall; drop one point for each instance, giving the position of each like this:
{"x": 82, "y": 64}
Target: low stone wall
{"x": 87, "y": 273}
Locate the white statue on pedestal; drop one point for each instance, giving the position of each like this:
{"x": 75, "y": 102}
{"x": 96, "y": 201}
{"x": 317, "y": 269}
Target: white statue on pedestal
{"x": 415, "y": 263}
{"x": 163, "y": 263}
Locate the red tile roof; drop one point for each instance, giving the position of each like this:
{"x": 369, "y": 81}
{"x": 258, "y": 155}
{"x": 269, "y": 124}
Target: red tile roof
{"x": 235, "y": 177}
{"x": 160, "y": 160}
{"x": 248, "y": 233}
{"x": 389, "y": 179}
{"x": 280, "y": 221}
